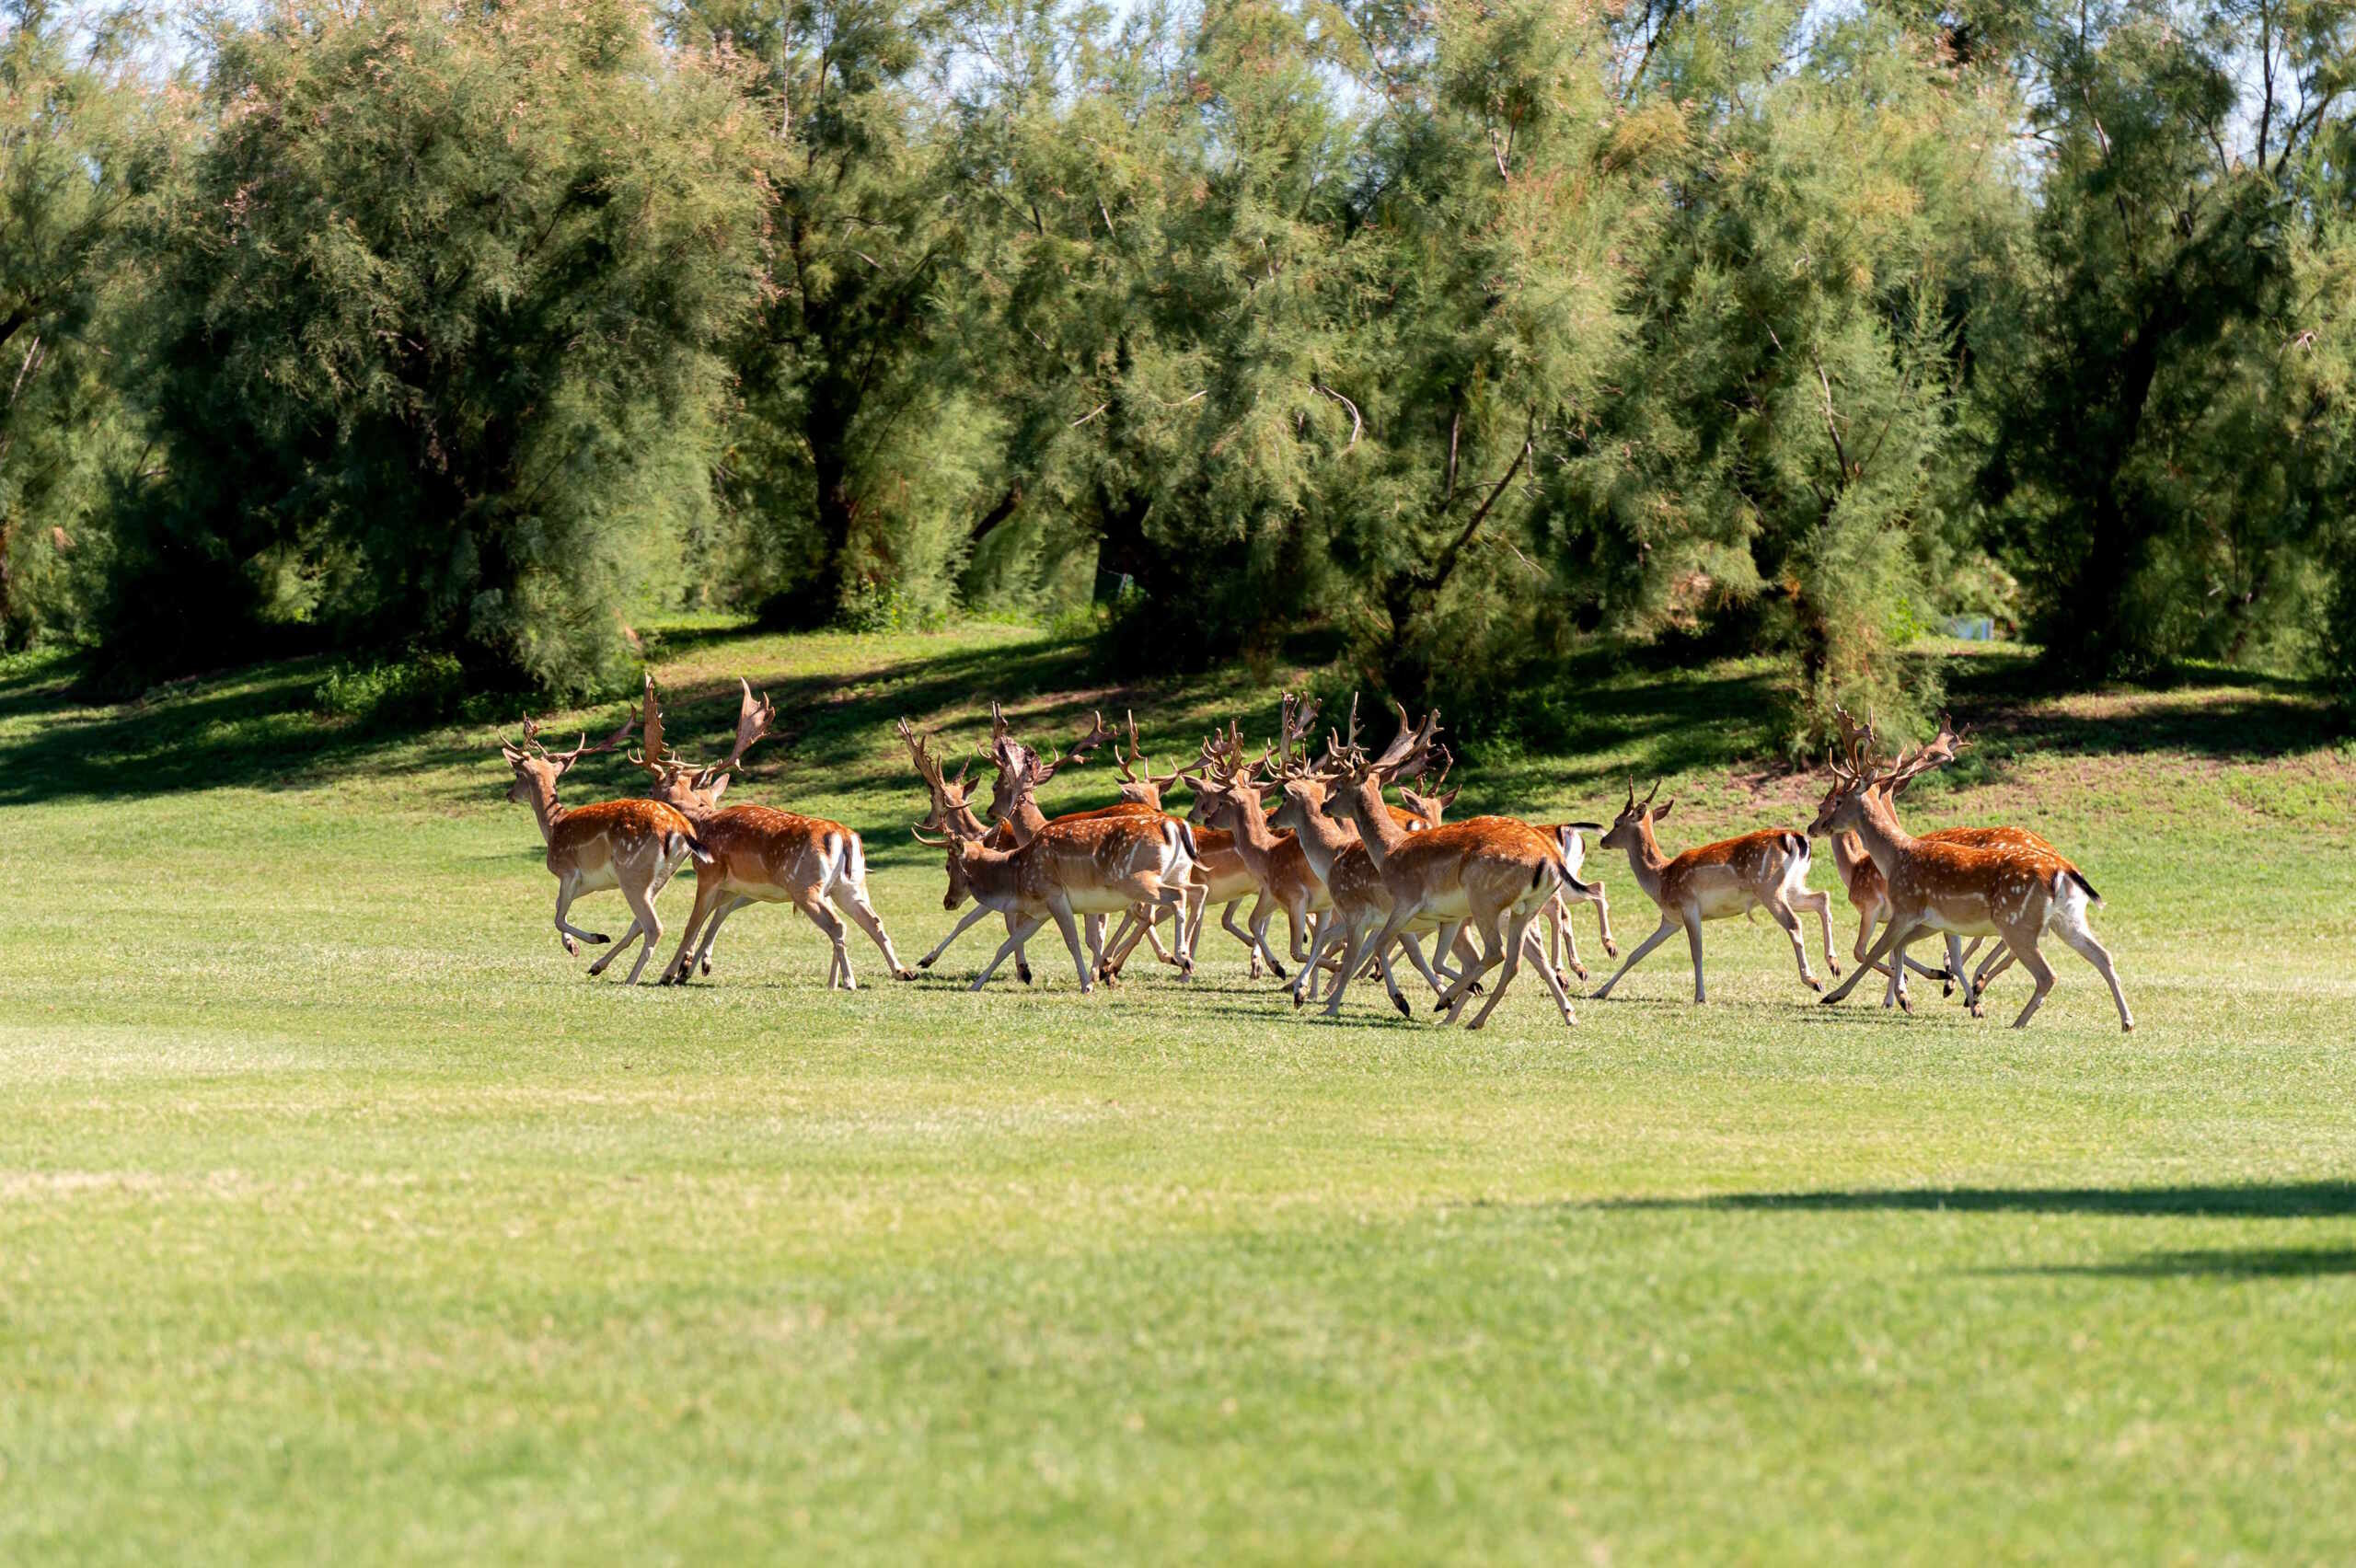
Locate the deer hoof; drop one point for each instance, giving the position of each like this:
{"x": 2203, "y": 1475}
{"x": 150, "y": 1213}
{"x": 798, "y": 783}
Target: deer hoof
{"x": 1612, "y": 949}
{"x": 1400, "y": 1003}
{"x": 924, "y": 964}
{"x": 1577, "y": 969}
{"x": 907, "y": 974}
{"x": 1814, "y": 983}
{"x": 2127, "y": 1028}
{"x": 572, "y": 948}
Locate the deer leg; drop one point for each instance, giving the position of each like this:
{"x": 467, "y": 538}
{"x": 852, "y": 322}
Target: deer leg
{"x": 619, "y": 948}
{"x": 708, "y": 899}
{"x": 568, "y": 888}
{"x": 978, "y": 913}
{"x": 1022, "y": 959}
{"x": 1820, "y": 904}
{"x": 1995, "y": 963}
{"x": 1693, "y": 940}
{"x": 1357, "y": 954}
{"x": 1669, "y": 923}
{"x": 1061, "y": 910}
{"x": 831, "y": 927}
{"x": 851, "y": 900}
{"x": 2089, "y": 947}
{"x": 1869, "y": 965}
{"x": 1250, "y": 943}
{"x": 1781, "y": 914}
{"x": 1603, "y": 919}
{"x": 1263, "y": 911}
{"x": 1319, "y": 940}
{"x": 1018, "y": 930}
{"x": 1391, "y": 985}
{"x": 641, "y": 904}
{"x": 2024, "y": 948}
{"x": 712, "y": 932}
{"x": 1958, "y": 956}
{"x": 1413, "y": 949}
{"x": 1555, "y": 982}
{"x": 1518, "y": 941}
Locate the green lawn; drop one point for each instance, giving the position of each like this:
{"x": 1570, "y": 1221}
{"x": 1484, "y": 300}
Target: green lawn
{"x": 341, "y": 1219}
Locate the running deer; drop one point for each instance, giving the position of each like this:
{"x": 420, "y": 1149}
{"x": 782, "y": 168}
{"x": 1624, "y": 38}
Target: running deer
{"x": 634, "y": 846}
{"x": 1095, "y": 866}
{"x": 1228, "y": 798}
{"x": 1869, "y": 893}
{"x": 760, "y": 856}
{"x": 1495, "y": 873}
{"x": 2014, "y": 892}
{"x": 1767, "y": 869}
{"x": 1356, "y": 899}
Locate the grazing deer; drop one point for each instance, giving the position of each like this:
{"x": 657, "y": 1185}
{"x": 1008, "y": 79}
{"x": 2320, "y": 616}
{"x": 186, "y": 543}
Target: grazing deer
{"x": 1767, "y": 869}
{"x": 756, "y": 855}
{"x": 2014, "y": 892}
{"x": 1096, "y": 866}
{"x": 631, "y": 845}
{"x": 1495, "y": 874}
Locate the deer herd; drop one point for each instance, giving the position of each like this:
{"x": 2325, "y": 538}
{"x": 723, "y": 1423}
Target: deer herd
{"x": 1315, "y": 838}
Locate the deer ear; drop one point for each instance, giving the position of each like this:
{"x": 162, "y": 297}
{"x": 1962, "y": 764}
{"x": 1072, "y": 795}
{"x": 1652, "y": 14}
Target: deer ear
{"x": 511, "y": 754}
{"x": 1662, "y": 811}
{"x": 1450, "y": 798}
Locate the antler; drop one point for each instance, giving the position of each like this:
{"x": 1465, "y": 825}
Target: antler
{"x": 1425, "y": 783}
{"x": 580, "y": 747}
{"x": 1134, "y": 759}
{"x": 1410, "y": 744}
{"x": 1096, "y": 735}
{"x": 1940, "y": 751}
{"x": 649, "y": 756}
{"x": 753, "y": 721}
{"x": 927, "y": 768}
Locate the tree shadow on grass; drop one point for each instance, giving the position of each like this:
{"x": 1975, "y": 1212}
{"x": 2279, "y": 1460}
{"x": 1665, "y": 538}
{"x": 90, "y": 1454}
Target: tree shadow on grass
{"x": 2224, "y": 1263}
{"x": 2288, "y": 1200}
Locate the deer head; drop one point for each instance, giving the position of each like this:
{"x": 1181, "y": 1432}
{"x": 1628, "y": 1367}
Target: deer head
{"x": 1425, "y": 800}
{"x": 1022, "y": 771}
{"x": 1633, "y": 826}
{"x": 950, "y": 809}
{"x": 537, "y": 768}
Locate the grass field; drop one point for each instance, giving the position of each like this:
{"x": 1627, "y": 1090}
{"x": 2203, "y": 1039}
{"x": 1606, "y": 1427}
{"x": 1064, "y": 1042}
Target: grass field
{"x": 341, "y": 1217}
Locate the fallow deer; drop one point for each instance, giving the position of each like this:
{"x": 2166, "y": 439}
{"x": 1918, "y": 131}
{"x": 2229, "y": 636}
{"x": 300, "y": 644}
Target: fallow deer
{"x": 1869, "y": 893}
{"x": 2014, "y": 892}
{"x": 631, "y": 845}
{"x": 1495, "y": 874}
{"x": 1767, "y": 869}
{"x": 757, "y": 855}
{"x": 1097, "y": 866}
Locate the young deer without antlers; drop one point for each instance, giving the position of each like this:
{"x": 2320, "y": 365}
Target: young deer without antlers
{"x": 631, "y": 845}
{"x": 1759, "y": 870}
{"x": 2017, "y": 894}
{"x": 760, "y": 856}
{"x": 1495, "y": 874}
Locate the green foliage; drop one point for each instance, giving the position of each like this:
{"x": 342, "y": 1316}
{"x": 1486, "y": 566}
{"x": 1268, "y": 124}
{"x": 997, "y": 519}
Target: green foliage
{"x": 80, "y": 146}
{"x": 419, "y": 690}
{"x": 430, "y": 349}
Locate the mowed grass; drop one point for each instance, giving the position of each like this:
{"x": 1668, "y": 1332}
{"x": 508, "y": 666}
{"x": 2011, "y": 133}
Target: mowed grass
{"x": 341, "y": 1217}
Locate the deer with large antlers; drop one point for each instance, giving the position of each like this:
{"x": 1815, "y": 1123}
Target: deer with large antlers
{"x": 1869, "y": 892}
{"x": 1227, "y": 800}
{"x": 1494, "y": 873}
{"x": 756, "y": 855}
{"x": 1767, "y": 869}
{"x": 2014, "y": 892}
{"x": 1089, "y": 867}
{"x": 633, "y": 845}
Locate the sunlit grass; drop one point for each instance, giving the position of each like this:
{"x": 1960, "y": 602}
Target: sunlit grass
{"x": 341, "y": 1217}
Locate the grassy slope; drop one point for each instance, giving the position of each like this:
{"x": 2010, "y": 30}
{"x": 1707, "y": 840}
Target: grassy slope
{"x": 338, "y": 1213}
